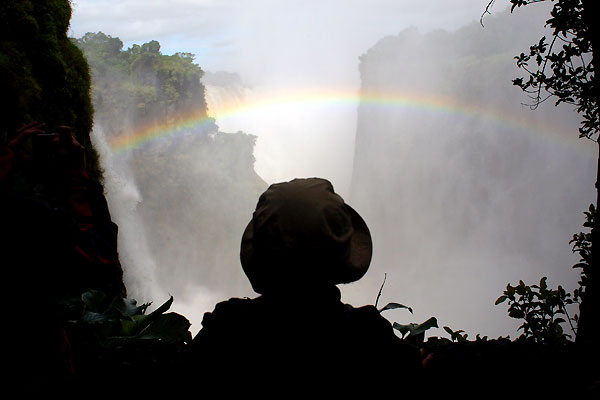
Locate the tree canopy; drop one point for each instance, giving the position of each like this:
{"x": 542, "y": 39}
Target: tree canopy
{"x": 140, "y": 84}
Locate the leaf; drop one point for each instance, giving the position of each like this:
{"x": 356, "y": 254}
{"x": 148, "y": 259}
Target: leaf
{"x": 500, "y": 299}
{"x": 421, "y": 328}
{"x": 415, "y": 333}
{"x": 92, "y": 317}
{"x": 134, "y": 325}
{"x": 164, "y": 307}
{"x": 128, "y": 327}
{"x": 404, "y": 329}
{"x": 171, "y": 328}
{"x": 392, "y": 306}
{"x": 93, "y": 299}
{"x": 128, "y": 307}
{"x": 447, "y": 329}
{"x": 146, "y": 320}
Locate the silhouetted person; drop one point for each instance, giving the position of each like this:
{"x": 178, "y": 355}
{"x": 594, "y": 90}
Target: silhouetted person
{"x": 298, "y": 336}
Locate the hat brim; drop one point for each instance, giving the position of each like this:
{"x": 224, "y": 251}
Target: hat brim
{"x": 361, "y": 248}
{"x": 353, "y": 267}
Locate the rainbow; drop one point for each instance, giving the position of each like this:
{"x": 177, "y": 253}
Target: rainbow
{"x": 294, "y": 100}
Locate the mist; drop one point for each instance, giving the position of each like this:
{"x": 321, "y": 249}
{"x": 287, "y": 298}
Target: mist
{"x": 459, "y": 203}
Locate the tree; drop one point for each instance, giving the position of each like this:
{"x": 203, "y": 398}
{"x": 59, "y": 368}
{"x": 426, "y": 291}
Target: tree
{"x": 564, "y": 68}
{"x": 140, "y": 82}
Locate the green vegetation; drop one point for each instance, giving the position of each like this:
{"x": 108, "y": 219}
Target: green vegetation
{"x": 411, "y": 332}
{"x": 120, "y": 321}
{"x": 140, "y": 85}
{"x": 43, "y": 75}
{"x": 540, "y": 309}
{"x": 564, "y": 69}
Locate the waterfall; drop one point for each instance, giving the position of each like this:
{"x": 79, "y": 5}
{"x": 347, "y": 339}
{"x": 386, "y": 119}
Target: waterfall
{"x": 123, "y": 199}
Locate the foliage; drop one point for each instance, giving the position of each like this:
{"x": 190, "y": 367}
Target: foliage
{"x": 140, "y": 85}
{"x": 121, "y": 321}
{"x": 562, "y": 68}
{"x": 457, "y": 336}
{"x": 540, "y": 308}
{"x": 415, "y": 333}
{"x": 44, "y": 77}
{"x": 582, "y": 244}
{"x": 412, "y": 332}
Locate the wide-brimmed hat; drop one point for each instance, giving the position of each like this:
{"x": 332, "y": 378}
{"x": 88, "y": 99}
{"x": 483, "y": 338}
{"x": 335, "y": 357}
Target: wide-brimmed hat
{"x": 303, "y": 233}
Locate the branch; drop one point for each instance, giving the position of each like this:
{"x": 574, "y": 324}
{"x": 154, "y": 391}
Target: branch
{"x": 486, "y": 11}
{"x": 515, "y": 3}
{"x": 535, "y": 101}
{"x": 539, "y": 91}
{"x": 380, "y": 290}
{"x": 565, "y": 39}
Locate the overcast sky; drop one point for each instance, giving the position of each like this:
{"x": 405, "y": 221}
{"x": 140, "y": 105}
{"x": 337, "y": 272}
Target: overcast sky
{"x": 230, "y": 34}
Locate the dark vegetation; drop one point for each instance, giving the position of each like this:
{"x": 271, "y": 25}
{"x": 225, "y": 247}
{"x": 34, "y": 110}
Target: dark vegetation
{"x": 43, "y": 75}
{"x": 564, "y": 69}
{"x": 107, "y": 342}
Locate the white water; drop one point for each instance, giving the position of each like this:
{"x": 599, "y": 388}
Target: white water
{"x": 123, "y": 199}
{"x": 295, "y": 138}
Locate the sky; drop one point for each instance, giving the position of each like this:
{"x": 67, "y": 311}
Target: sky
{"x": 224, "y": 33}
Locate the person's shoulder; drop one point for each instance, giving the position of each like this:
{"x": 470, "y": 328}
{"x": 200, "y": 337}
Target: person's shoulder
{"x": 232, "y": 308}
{"x": 368, "y": 315}
{"x": 233, "y": 304}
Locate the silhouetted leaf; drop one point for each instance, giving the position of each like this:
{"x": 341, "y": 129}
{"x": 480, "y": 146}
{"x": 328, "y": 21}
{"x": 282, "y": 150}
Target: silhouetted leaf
{"x": 392, "y": 306}
{"x": 93, "y": 299}
{"x": 430, "y": 323}
{"x": 92, "y": 317}
{"x": 128, "y": 307}
{"x": 170, "y": 328}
